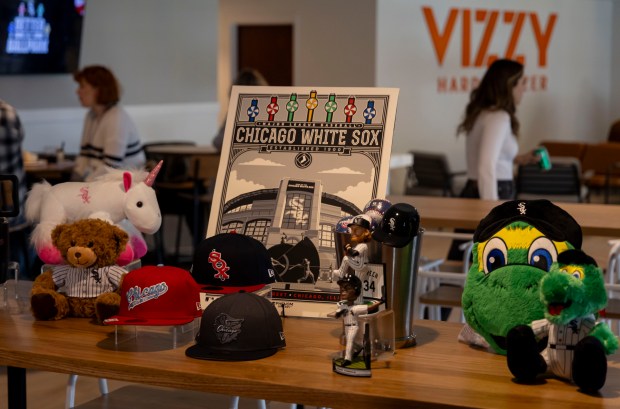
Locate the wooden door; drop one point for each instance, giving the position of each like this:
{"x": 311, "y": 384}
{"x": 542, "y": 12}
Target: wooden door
{"x": 269, "y": 49}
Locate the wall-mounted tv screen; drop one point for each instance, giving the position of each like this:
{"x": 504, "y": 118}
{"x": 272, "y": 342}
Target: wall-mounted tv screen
{"x": 40, "y": 36}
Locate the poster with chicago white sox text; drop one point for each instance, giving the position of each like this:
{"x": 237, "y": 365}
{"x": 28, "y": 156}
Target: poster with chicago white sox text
{"x": 295, "y": 161}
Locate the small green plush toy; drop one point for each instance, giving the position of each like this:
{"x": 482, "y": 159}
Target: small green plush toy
{"x": 572, "y": 294}
{"x": 515, "y": 245}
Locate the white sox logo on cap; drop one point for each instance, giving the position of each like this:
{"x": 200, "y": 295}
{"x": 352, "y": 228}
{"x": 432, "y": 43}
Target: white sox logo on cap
{"x": 521, "y": 207}
{"x": 392, "y": 224}
{"x": 219, "y": 265}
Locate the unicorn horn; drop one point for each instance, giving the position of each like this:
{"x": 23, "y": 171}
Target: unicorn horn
{"x": 150, "y": 178}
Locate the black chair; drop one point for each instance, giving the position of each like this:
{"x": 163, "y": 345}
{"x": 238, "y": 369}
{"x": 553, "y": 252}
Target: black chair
{"x": 172, "y": 181}
{"x": 203, "y": 173}
{"x": 561, "y": 183}
{"x": 430, "y": 175}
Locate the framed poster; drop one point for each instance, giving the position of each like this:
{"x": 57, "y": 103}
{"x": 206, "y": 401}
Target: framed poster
{"x": 296, "y": 160}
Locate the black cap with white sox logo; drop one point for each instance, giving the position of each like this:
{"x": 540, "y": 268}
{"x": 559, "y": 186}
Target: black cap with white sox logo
{"x": 230, "y": 262}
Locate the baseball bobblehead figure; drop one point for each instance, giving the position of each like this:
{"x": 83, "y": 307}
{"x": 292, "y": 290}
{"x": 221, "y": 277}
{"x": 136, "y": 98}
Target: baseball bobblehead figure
{"x": 350, "y": 289}
{"x": 357, "y": 251}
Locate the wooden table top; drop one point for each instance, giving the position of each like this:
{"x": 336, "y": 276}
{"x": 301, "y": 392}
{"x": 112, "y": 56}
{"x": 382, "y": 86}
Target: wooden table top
{"x": 183, "y": 149}
{"x": 438, "y": 372}
{"x": 447, "y": 212}
{"x": 44, "y": 166}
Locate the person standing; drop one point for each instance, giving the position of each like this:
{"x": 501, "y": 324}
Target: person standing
{"x": 11, "y": 158}
{"x": 491, "y": 127}
{"x": 109, "y": 136}
{"x": 12, "y": 163}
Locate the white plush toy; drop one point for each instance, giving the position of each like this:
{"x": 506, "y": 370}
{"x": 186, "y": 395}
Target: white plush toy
{"x": 114, "y": 197}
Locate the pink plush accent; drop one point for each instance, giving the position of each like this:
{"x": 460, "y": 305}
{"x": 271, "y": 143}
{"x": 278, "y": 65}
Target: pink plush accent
{"x": 127, "y": 180}
{"x": 150, "y": 179}
{"x": 50, "y": 255}
{"x": 126, "y": 256}
{"x": 139, "y": 246}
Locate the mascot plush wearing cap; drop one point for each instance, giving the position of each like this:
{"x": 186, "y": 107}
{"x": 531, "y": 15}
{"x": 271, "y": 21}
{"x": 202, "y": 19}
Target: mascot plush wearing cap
{"x": 515, "y": 246}
{"x": 90, "y": 279}
{"x": 572, "y": 293}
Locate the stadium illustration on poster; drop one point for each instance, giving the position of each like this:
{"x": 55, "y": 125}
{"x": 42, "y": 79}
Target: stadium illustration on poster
{"x": 294, "y": 162}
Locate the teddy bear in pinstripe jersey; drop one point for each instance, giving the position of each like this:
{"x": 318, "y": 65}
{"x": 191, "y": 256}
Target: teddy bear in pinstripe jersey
{"x": 87, "y": 285}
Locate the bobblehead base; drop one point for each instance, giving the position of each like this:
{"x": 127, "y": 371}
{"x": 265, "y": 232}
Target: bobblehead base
{"x": 374, "y": 344}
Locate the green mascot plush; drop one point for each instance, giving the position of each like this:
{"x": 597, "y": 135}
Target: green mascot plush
{"x": 515, "y": 245}
{"x": 572, "y": 294}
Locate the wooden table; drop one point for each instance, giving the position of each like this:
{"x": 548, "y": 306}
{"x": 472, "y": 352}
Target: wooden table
{"x": 448, "y": 212}
{"x": 183, "y": 149}
{"x": 52, "y": 172}
{"x": 438, "y": 372}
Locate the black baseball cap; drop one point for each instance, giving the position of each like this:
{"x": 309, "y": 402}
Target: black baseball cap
{"x": 353, "y": 280}
{"x": 399, "y": 225}
{"x": 575, "y": 257}
{"x": 230, "y": 262}
{"x": 362, "y": 220}
{"x": 238, "y": 327}
{"x": 553, "y": 221}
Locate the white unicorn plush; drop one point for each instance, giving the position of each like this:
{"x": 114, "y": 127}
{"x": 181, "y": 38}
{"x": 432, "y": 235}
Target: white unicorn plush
{"x": 114, "y": 197}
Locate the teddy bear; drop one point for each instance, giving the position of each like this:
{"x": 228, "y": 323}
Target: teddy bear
{"x": 515, "y": 245}
{"x": 87, "y": 286}
{"x": 575, "y": 344}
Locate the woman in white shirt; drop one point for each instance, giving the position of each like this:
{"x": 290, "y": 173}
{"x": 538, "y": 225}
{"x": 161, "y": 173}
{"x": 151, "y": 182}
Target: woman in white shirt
{"x": 491, "y": 129}
{"x": 109, "y": 137}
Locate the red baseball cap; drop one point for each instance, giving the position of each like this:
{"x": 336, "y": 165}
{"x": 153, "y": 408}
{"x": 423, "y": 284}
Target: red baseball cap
{"x": 157, "y": 295}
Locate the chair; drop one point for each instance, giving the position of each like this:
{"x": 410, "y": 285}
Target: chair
{"x": 561, "y": 183}
{"x": 565, "y": 149}
{"x": 10, "y": 207}
{"x": 612, "y": 310}
{"x": 430, "y": 175}
{"x": 203, "y": 174}
{"x": 601, "y": 167}
{"x": 171, "y": 181}
{"x": 440, "y": 282}
{"x": 70, "y": 394}
{"x": 612, "y": 284}
{"x": 195, "y": 190}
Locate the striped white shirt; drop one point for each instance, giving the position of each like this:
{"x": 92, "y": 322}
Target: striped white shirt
{"x": 87, "y": 282}
{"x": 562, "y": 340}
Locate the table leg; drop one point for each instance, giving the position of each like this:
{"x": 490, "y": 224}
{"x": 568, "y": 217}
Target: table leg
{"x": 16, "y": 385}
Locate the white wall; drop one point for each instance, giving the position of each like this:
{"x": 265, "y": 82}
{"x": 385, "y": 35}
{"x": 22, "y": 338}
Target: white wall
{"x": 334, "y": 41}
{"x": 575, "y": 104}
{"x": 46, "y": 129}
